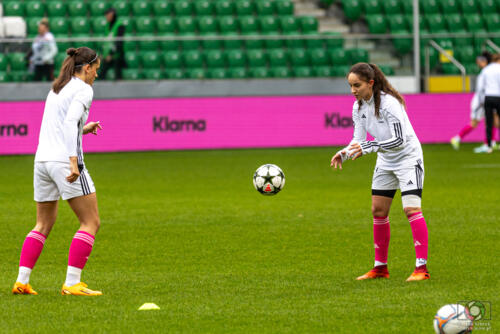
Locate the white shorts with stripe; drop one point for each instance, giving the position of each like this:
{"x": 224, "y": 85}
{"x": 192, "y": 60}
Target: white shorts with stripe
{"x": 409, "y": 179}
{"x": 50, "y": 182}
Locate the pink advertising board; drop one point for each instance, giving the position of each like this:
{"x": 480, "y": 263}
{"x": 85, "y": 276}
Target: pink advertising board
{"x": 230, "y": 122}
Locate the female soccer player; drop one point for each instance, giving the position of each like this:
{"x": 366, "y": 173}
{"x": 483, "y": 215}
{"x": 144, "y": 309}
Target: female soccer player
{"x": 60, "y": 171}
{"x": 380, "y": 111}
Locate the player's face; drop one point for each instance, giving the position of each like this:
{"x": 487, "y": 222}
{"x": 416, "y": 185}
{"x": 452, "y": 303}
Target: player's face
{"x": 92, "y": 71}
{"x": 360, "y": 88}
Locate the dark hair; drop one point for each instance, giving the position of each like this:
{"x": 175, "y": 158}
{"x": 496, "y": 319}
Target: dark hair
{"x": 487, "y": 55}
{"x": 367, "y": 72}
{"x": 495, "y": 57}
{"x": 73, "y": 63}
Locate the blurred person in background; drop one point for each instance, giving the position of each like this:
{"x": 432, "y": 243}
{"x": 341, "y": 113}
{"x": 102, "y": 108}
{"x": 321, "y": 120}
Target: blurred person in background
{"x": 489, "y": 95}
{"x": 113, "y": 55}
{"x": 43, "y": 51}
{"x": 477, "y": 110}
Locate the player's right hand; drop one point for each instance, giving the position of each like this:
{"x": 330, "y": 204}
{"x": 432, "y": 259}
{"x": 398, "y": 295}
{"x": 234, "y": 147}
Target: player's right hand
{"x": 74, "y": 171}
{"x": 337, "y": 160}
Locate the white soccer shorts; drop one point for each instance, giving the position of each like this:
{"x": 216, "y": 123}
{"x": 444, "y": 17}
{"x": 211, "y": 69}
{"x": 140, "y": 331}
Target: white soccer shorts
{"x": 476, "y": 110}
{"x": 410, "y": 180}
{"x": 50, "y": 182}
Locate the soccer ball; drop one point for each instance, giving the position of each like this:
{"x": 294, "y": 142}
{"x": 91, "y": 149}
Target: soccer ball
{"x": 268, "y": 179}
{"x": 453, "y": 319}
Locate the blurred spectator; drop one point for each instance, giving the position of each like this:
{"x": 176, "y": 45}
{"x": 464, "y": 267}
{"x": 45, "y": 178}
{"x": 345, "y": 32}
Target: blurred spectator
{"x": 112, "y": 55}
{"x": 43, "y": 51}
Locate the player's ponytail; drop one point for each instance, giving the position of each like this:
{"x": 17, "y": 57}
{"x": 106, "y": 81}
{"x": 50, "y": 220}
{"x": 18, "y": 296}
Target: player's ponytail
{"x": 73, "y": 63}
{"x": 367, "y": 72}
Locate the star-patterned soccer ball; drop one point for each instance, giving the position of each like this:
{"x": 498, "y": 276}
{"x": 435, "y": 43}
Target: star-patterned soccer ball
{"x": 269, "y": 179}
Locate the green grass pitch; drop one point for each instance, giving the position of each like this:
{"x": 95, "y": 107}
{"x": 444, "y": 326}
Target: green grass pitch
{"x": 187, "y": 231}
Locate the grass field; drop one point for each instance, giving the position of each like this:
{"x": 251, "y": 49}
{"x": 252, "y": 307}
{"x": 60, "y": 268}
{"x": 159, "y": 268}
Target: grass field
{"x": 187, "y": 231}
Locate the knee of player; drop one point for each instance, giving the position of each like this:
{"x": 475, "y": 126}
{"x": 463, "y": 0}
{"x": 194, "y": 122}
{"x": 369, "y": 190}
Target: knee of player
{"x": 378, "y": 211}
{"x": 411, "y": 210}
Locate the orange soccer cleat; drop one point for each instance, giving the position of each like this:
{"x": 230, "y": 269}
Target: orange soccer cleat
{"x": 420, "y": 274}
{"x": 23, "y": 289}
{"x": 79, "y": 289}
{"x": 376, "y": 272}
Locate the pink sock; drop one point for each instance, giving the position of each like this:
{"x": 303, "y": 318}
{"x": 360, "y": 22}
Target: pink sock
{"x": 80, "y": 249}
{"x": 381, "y": 237}
{"x": 465, "y": 131}
{"x": 420, "y": 234}
{"x": 32, "y": 247}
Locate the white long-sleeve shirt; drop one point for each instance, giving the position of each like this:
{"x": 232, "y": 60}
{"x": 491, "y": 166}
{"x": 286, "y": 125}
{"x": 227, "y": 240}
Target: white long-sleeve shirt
{"x": 64, "y": 116}
{"x": 395, "y": 141}
{"x": 44, "y": 49}
{"x": 488, "y": 83}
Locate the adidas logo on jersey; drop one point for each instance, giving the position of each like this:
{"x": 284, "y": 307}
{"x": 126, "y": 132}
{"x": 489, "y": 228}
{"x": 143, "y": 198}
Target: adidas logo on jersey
{"x": 363, "y": 116}
{"x": 417, "y": 243}
{"x": 409, "y": 182}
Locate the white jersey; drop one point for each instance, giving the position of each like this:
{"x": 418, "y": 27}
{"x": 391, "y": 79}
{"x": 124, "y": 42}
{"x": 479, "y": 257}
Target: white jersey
{"x": 44, "y": 49}
{"x": 64, "y": 116}
{"x": 488, "y": 83}
{"x": 396, "y": 143}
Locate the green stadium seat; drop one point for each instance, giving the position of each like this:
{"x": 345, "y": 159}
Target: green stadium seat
{"x": 352, "y": 9}
{"x": 34, "y": 8}
{"x": 17, "y": 61}
{"x": 472, "y": 68}
{"x": 275, "y": 41}
{"x": 254, "y": 43}
{"x": 474, "y": 23}
{"x": 340, "y": 71}
{"x": 436, "y": 23}
{"x": 147, "y": 44}
{"x": 465, "y": 54}
{"x": 339, "y": 57}
{"x": 153, "y": 74}
{"x": 259, "y": 72}
{"x": 77, "y": 8}
{"x": 110, "y": 75}
{"x": 357, "y": 55}
{"x": 132, "y": 60}
{"x": 56, "y": 8}
{"x": 59, "y": 25}
{"x": 207, "y": 24}
{"x": 455, "y": 23}
{"x": 172, "y": 59}
{"x": 398, "y": 23}
{"x": 129, "y": 45}
{"x": 122, "y": 7}
{"x": 264, "y": 7}
{"x": 302, "y": 72}
{"x": 99, "y": 25}
{"x": 32, "y": 25}
{"x": 422, "y": 23}
{"x": 165, "y": 24}
{"x": 314, "y": 40}
{"x": 203, "y": 8}
{"x": 228, "y": 24}
{"x": 450, "y": 6}
{"x": 377, "y": 24}
{"x": 308, "y": 24}
{"x": 238, "y": 73}
{"x": 492, "y": 22}
{"x": 80, "y": 25}
{"x": 183, "y": 8}
{"x": 430, "y": 7}
{"x": 373, "y": 6}
{"x": 248, "y": 25}
{"x": 322, "y": 71}
{"x": 217, "y": 73}
{"x": 284, "y": 7}
{"x": 402, "y": 45}
{"x": 193, "y": 59}
{"x": 295, "y": 42}
{"x": 215, "y": 59}
{"x": 256, "y": 58}
{"x": 192, "y": 43}
{"x": 280, "y": 72}
{"x": 18, "y": 76}
{"x": 450, "y": 69}
{"x": 232, "y": 41}
{"x": 145, "y": 25}
{"x": 209, "y": 42}
{"x": 4, "y": 77}
{"x": 244, "y": 7}
{"x": 470, "y": 6}
{"x": 299, "y": 57}
{"x": 186, "y": 24}
{"x": 407, "y": 6}
{"x": 169, "y": 44}
{"x": 98, "y": 8}
{"x": 278, "y": 58}
{"x": 131, "y": 74}
{"x": 162, "y": 8}
{"x": 196, "y": 73}
{"x": 16, "y": 8}
{"x": 289, "y": 24}
{"x": 319, "y": 57}
{"x": 129, "y": 24}
{"x": 392, "y": 7}
{"x": 150, "y": 59}
{"x": 224, "y": 7}
{"x": 141, "y": 8}
{"x": 175, "y": 74}
{"x": 236, "y": 58}
{"x": 387, "y": 69}
{"x": 269, "y": 24}
{"x": 433, "y": 57}
{"x": 3, "y": 62}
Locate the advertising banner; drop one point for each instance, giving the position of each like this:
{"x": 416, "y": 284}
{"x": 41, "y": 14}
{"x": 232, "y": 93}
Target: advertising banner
{"x": 232, "y": 122}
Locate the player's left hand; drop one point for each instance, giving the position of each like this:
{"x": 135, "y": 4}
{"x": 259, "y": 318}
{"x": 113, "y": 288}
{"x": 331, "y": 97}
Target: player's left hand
{"x": 91, "y": 127}
{"x": 355, "y": 151}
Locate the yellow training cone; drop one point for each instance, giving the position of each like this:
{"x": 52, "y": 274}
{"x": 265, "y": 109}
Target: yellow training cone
{"x": 149, "y": 306}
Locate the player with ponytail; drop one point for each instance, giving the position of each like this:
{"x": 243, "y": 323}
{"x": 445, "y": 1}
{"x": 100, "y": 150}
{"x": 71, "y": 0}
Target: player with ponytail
{"x": 60, "y": 171}
{"x": 381, "y": 111}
